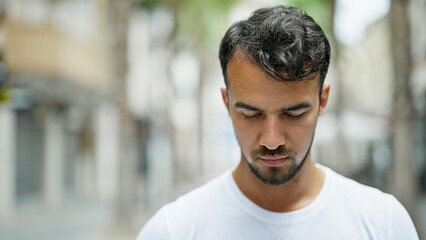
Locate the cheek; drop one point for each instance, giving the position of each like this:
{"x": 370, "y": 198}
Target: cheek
{"x": 245, "y": 133}
{"x": 299, "y": 133}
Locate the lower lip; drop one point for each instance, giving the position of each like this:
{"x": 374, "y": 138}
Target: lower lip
{"x": 274, "y": 162}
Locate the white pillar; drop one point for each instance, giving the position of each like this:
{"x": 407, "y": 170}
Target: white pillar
{"x": 107, "y": 135}
{"x": 84, "y": 176}
{"x": 53, "y": 161}
{"x": 7, "y": 162}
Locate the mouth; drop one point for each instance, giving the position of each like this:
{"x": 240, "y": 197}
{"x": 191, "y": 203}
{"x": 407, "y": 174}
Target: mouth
{"x": 273, "y": 161}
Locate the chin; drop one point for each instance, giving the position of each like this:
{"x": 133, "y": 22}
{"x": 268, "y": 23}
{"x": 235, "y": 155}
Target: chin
{"x": 275, "y": 176}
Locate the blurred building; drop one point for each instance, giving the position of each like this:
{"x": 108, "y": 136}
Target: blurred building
{"x": 59, "y": 123}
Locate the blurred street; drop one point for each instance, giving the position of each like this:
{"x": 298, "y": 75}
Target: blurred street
{"x": 77, "y": 221}
{"x": 111, "y": 108}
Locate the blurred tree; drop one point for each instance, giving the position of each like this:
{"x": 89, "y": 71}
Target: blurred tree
{"x": 404, "y": 176}
{"x": 340, "y": 140}
{"x": 198, "y": 27}
{"x": 206, "y": 21}
{"x": 121, "y": 10}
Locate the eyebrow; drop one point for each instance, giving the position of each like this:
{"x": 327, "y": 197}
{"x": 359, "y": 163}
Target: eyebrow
{"x": 296, "y": 107}
{"x": 246, "y": 106}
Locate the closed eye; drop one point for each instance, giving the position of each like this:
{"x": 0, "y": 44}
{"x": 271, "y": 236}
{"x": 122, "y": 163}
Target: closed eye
{"x": 294, "y": 116}
{"x": 251, "y": 115}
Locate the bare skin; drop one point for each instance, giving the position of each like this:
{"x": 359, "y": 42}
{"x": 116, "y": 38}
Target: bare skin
{"x": 268, "y": 114}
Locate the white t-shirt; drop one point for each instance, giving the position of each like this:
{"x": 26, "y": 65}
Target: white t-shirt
{"x": 344, "y": 209}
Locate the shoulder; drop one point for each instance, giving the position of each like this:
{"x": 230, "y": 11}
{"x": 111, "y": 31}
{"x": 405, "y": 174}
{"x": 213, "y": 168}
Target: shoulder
{"x": 188, "y": 210}
{"x": 400, "y": 221}
{"x": 210, "y": 192}
{"x": 155, "y": 228}
{"x": 350, "y": 190}
{"x": 372, "y": 208}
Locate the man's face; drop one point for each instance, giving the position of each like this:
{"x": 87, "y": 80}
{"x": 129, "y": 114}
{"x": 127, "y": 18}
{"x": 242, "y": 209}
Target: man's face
{"x": 274, "y": 121}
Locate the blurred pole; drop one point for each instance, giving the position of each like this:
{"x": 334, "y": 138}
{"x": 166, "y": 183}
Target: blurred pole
{"x": 170, "y": 128}
{"x": 200, "y": 121}
{"x": 404, "y": 182}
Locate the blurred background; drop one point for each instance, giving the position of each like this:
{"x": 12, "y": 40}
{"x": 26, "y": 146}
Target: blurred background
{"x": 111, "y": 108}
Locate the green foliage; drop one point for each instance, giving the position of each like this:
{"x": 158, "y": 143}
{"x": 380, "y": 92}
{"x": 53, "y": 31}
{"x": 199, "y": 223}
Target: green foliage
{"x": 199, "y": 23}
{"x": 151, "y": 4}
{"x": 202, "y": 23}
{"x": 319, "y": 10}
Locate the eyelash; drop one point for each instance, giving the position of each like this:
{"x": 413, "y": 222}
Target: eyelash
{"x": 292, "y": 117}
{"x": 250, "y": 117}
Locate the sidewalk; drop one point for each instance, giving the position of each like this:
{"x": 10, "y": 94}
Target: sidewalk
{"x": 87, "y": 221}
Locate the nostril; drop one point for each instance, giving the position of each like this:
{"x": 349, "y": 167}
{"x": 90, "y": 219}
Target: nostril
{"x": 272, "y": 144}
{"x": 272, "y": 137}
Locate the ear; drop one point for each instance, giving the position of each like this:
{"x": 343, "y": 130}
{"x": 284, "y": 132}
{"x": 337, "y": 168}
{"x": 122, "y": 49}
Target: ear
{"x": 324, "y": 97}
{"x": 225, "y": 98}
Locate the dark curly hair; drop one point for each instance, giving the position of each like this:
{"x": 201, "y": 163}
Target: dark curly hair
{"x": 280, "y": 40}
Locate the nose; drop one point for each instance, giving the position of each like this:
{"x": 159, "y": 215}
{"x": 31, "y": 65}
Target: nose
{"x": 272, "y": 136}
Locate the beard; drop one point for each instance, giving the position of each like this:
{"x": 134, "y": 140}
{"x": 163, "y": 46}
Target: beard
{"x": 277, "y": 175}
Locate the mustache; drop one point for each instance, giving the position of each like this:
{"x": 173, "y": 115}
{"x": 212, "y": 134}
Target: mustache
{"x": 281, "y": 150}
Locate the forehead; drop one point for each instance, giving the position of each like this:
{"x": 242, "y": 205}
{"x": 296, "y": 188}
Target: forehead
{"x": 247, "y": 82}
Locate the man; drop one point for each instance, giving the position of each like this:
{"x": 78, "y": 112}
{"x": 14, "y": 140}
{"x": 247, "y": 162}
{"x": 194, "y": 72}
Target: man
{"x": 274, "y": 65}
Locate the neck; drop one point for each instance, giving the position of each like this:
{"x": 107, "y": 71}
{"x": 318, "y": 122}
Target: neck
{"x": 293, "y": 195}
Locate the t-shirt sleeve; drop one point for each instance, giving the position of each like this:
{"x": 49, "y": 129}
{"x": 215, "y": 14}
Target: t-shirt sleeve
{"x": 400, "y": 224}
{"x": 155, "y": 228}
